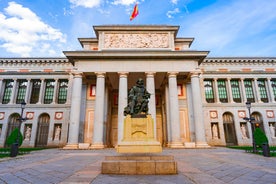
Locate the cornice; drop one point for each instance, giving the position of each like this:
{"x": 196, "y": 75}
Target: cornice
{"x": 33, "y": 60}
{"x": 239, "y": 60}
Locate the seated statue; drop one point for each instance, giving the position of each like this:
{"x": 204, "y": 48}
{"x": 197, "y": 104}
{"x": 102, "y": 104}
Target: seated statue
{"x": 137, "y": 99}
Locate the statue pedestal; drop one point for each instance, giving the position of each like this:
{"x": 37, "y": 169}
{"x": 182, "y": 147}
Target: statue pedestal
{"x": 138, "y": 136}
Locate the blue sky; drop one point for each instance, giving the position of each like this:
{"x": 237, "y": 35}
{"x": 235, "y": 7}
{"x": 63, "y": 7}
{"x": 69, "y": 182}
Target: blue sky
{"x": 228, "y": 28}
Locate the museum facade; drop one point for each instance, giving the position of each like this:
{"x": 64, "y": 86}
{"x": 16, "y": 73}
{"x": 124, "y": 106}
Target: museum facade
{"x": 77, "y": 102}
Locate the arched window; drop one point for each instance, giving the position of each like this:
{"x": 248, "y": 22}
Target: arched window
{"x": 13, "y": 123}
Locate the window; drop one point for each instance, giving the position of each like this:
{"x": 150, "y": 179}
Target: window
{"x": 62, "y": 91}
{"x": 35, "y": 91}
{"x": 209, "y": 93}
{"x": 273, "y": 85}
{"x": 22, "y": 86}
{"x": 249, "y": 90}
{"x": 236, "y": 93}
{"x": 7, "y": 91}
{"x": 222, "y": 92}
{"x": 49, "y": 91}
{"x": 262, "y": 90}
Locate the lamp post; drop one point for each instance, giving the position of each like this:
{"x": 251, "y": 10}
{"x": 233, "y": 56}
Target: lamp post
{"x": 15, "y": 146}
{"x": 250, "y": 119}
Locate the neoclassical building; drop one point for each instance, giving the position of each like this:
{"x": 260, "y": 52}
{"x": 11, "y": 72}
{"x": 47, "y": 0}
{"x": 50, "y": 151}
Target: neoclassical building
{"x": 77, "y": 102}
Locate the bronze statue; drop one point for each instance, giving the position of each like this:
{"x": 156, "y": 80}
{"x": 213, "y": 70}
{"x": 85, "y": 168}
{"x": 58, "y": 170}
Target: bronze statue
{"x": 137, "y": 99}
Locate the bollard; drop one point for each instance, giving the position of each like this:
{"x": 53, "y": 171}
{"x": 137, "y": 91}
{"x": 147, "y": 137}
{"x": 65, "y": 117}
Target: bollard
{"x": 266, "y": 151}
{"x": 14, "y": 150}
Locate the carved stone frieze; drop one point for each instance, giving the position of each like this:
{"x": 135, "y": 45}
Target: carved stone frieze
{"x": 136, "y": 40}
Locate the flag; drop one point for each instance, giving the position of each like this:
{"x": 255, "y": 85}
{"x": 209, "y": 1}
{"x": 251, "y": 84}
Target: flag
{"x": 135, "y": 12}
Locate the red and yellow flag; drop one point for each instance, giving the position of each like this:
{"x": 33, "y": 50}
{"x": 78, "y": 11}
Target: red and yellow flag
{"x": 135, "y": 12}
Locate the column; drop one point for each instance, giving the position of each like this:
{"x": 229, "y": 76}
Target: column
{"x": 198, "y": 111}
{"x": 230, "y": 90}
{"x": 152, "y": 103}
{"x": 216, "y": 90}
{"x": 41, "y": 91}
{"x": 1, "y": 86}
{"x": 258, "y": 96}
{"x": 168, "y": 114}
{"x": 243, "y": 91}
{"x": 271, "y": 95}
{"x": 28, "y": 91}
{"x": 122, "y": 103}
{"x": 174, "y": 112}
{"x": 99, "y": 113}
{"x": 13, "y": 93}
{"x": 55, "y": 92}
{"x": 73, "y": 138}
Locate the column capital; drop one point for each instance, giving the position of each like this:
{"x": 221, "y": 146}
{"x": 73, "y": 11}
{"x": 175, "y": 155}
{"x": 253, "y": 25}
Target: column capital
{"x": 195, "y": 73}
{"x": 123, "y": 74}
{"x": 172, "y": 74}
{"x": 77, "y": 74}
{"x": 150, "y": 74}
{"x": 100, "y": 74}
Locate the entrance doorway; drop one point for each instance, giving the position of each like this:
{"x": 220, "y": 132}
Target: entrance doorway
{"x": 229, "y": 129}
{"x": 12, "y": 124}
{"x": 42, "y": 130}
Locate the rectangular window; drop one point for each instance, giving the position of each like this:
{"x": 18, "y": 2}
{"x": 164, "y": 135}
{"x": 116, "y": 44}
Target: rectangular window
{"x": 209, "y": 92}
{"x": 22, "y": 87}
{"x": 222, "y": 92}
{"x": 249, "y": 90}
{"x": 236, "y": 93}
{"x": 7, "y": 91}
{"x": 49, "y": 91}
{"x": 35, "y": 91}
{"x": 273, "y": 85}
{"x": 262, "y": 90}
{"x": 62, "y": 91}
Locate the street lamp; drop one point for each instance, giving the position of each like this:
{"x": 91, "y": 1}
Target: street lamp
{"x": 250, "y": 119}
{"x": 15, "y": 146}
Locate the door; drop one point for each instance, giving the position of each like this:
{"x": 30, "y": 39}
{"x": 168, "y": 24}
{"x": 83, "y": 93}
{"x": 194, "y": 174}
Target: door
{"x": 229, "y": 129}
{"x": 42, "y": 130}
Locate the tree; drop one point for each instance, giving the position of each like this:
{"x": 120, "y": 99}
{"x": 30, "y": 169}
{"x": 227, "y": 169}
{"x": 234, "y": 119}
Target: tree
{"x": 260, "y": 137}
{"x": 13, "y": 137}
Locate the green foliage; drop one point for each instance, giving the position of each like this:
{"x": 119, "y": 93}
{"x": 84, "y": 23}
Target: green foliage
{"x": 13, "y": 137}
{"x": 260, "y": 137}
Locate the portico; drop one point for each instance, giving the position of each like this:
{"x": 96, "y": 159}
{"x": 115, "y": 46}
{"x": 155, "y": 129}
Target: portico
{"x": 109, "y": 65}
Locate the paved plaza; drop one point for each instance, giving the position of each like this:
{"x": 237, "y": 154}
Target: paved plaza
{"x": 216, "y": 165}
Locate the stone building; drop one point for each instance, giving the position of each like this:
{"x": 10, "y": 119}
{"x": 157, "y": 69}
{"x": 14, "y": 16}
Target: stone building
{"x": 78, "y": 101}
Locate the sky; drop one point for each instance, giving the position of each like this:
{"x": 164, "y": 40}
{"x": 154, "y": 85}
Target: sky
{"x": 226, "y": 28}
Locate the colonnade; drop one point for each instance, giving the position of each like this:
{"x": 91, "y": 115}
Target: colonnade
{"x": 173, "y": 121}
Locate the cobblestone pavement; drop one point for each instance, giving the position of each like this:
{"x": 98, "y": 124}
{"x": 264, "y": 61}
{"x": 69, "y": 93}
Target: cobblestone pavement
{"x": 216, "y": 165}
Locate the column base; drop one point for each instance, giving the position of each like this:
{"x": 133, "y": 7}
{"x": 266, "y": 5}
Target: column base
{"x": 202, "y": 145}
{"x": 189, "y": 144}
{"x": 176, "y": 145}
{"x": 97, "y": 146}
{"x": 71, "y": 147}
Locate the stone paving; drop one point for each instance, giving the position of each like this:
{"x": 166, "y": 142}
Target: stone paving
{"x": 216, "y": 165}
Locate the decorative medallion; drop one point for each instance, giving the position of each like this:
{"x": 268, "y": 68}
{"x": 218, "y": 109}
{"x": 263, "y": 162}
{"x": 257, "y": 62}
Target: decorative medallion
{"x": 30, "y": 115}
{"x": 241, "y": 114}
{"x": 58, "y": 115}
{"x": 270, "y": 113}
{"x": 213, "y": 114}
{"x": 2, "y": 115}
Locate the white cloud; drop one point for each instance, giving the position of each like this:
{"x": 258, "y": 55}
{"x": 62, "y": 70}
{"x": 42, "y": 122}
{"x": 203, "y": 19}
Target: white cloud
{"x": 124, "y": 2}
{"x": 22, "y": 31}
{"x": 174, "y": 1}
{"x": 86, "y": 3}
{"x": 171, "y": 13}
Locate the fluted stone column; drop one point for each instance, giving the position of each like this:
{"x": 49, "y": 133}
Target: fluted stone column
{"x": 1, "y": 84}
{"x": 41, "y": 91}
{"x": 198, "y": 111}
{"x": 73, "y": 138}
{"x": 122, "y": 103}
{"x": 27, "y": 99}
{"x": 258, "y": 96}
{"x": 99, "y": 113}
{"x": 216, "y": 90}
{"x": 13, "y": 91}
{"x": 243, "y": 91}
{"x": 169, "y": 139}
{"x": 152, "y": 104}
{"x": 270, "y": 90}
{"x": 55, "y": 92}
{"x": 230, "y": 90}
{"x": 174, "y": 112}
